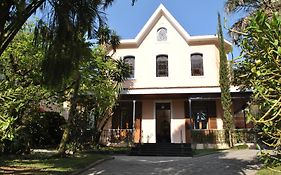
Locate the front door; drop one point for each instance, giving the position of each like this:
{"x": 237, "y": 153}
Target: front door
{"x": 163, "y": 122}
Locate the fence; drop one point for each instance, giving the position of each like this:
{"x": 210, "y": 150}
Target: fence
{"x": 208, "y": 136}
{"x": 125, "y": 137}
{"x": 117, "y": 136}
{"x": 218, "y": 136}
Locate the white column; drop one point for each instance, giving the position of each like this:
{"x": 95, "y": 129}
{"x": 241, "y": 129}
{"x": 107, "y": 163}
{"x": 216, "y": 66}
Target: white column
{"x": 134, "y": 113}
{"x": 190, "y": 113}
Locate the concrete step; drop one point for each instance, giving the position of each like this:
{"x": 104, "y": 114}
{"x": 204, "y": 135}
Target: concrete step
{"x": 162, "y": 149}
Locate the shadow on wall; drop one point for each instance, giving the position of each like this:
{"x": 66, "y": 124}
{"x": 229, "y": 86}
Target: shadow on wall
{"x": 129, "y": 84}
{"x": 178, "y": 134}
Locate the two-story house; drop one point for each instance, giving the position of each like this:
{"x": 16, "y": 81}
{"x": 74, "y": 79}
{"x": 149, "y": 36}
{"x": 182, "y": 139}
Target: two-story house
{"x": 174, "y": 83}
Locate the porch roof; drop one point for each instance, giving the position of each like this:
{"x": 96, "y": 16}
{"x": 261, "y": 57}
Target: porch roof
{"x": 178, "y": 90}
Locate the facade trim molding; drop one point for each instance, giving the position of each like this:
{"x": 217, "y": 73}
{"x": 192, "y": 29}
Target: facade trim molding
{"x": 181, "y": 90}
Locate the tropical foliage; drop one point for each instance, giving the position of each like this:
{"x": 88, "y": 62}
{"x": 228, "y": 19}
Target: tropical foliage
{"x": 20, "y": 89}
{"x": 59, "y": 46}
{"x": 260, "y": 70}
{"x": 91, "y": 98}
{"x": 63, "y": 27}
{"x": 249, "y": 9}
{"x": 101, "y": 78}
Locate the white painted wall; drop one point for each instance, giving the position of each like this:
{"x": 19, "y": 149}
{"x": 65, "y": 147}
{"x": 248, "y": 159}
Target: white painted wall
{"x": 148, "y": 131}
{"x": 178, "y": 52}
{"x": 148, "y": 123}
{"x": 178, "y": 122}
{"x": 178, "y": 131}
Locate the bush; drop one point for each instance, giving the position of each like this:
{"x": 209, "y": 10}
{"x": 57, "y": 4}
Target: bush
{"x": 46, "y": 129}
{"x": 39, "y": 131}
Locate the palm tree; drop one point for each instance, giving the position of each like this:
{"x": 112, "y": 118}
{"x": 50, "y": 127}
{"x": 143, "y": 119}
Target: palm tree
{"x": 63, "y": 26}
{"x": 250, "y": 7}
{"x": 107, "y": 38}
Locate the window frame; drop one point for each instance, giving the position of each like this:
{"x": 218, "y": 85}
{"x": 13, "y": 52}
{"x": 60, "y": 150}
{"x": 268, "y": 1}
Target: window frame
{"x": 159, "y": 72}
{"x": 131, "y": 64}
{"x": 160, "y": 34}
{"x": 192, "y": 67}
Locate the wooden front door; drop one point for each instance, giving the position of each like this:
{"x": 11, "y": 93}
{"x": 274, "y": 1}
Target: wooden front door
{"x": 163, "y": 122}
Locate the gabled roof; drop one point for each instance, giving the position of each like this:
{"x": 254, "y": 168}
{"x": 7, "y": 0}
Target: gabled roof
{"x": 162, "y": 11}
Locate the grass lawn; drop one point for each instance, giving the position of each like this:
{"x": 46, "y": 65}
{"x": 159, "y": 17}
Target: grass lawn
{"x": 266, "y": 171}
{"x": 44, "y": 164}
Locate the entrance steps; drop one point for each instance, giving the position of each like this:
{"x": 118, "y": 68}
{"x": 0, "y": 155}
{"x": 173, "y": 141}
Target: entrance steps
{"x": 162, "y": 149}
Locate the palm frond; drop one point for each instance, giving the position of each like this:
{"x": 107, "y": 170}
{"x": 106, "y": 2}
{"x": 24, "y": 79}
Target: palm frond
{"x": 234, "y": 6}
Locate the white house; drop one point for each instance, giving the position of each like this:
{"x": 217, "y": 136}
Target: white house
{"x": 173, "y": 87}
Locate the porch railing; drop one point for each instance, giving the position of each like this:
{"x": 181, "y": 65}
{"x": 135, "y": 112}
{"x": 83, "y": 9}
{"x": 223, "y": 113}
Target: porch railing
{"x": 117, "y": 136}
{"x": 218, "y": 136}
{"x": 125, "y": 137}
{"x": 208, "y": 136}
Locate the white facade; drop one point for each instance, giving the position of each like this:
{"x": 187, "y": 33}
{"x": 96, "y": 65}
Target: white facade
{"x": 178, "y": 46}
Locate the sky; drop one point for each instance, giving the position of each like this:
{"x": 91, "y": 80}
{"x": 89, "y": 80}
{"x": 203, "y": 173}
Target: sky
{"x": 197, "y": 17}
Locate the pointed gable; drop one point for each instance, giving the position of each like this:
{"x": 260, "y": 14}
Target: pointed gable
{"x": 162, "y": 12}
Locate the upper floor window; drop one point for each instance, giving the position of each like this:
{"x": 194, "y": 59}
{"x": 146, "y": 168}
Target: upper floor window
{"x": 130, "y": 60}
{"x": 162, "y": 66}
{"x": 197, "y": 64}
{"x": 162, "y": 34}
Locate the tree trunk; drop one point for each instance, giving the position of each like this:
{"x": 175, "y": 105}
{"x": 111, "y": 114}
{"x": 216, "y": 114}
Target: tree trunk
{"x": 72, "y": 113}
{"x": 101, "y": 125}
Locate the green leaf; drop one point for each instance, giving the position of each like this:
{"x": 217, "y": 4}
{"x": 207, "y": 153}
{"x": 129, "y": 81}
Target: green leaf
{"x": 279, "y": 50}
{"x": 253, "y": 69}
{"x": 275, "y": 42}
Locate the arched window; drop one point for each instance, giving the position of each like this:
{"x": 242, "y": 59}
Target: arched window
{"x": 197, "y": 64}
{"x": 162, "y": 66}
{"x": 162, "y": 34}
{"x": 130, "y": 60}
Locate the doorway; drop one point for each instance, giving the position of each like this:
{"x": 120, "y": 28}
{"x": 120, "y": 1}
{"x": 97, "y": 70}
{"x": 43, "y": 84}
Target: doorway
{"x": 163, "y": 123}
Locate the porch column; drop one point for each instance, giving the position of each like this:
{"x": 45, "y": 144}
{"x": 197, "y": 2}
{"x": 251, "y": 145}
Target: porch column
{"x": 190, "y": 113}
{"x": 190, "y": 121}
{"x": 134, "y": 113}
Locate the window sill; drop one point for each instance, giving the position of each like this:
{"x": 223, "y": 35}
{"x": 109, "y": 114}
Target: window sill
{"x": 129, "y": 79}
{"x": 197, "y": 77}
{"x": 163, "y": 78}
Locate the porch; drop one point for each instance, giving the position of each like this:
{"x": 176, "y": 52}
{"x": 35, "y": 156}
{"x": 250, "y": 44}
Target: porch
{"x": 171, "y": 119}
{"x": 200, "y": 139}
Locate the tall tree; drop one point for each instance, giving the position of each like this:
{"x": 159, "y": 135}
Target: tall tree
{"x": 107, "y": 38}
{"x": 225, "y": 87}
{"x": 13, "y": 14}
{"x": 64, "y": 25}
{"x": 101, "y": 74}
{"x": 102, "y": 77}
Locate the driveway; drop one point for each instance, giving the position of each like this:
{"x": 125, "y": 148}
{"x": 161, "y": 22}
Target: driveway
{"x": 230, "y": 162}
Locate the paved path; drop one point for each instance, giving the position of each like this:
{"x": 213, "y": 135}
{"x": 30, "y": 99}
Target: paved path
{"x": 230, "y": 162}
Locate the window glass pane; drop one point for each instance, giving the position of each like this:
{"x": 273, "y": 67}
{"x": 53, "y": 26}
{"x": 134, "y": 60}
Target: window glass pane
{"x": 197, "y": 64}
{"x": 201, "y": 111}
{"x": 162, "y": 34}
{"x": 130, "y": 60}
{"x": 162, "y": 66}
